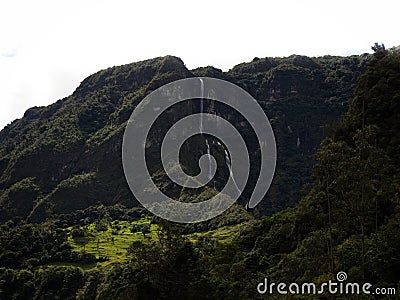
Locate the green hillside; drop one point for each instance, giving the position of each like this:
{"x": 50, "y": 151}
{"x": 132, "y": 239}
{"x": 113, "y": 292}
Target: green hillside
{"x": 67, "y": 156}
{"x": 97, "y": 244}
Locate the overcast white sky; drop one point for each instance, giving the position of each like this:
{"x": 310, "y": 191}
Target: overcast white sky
{"x": 47, "y": 47}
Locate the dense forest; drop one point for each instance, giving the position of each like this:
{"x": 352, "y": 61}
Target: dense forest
{"x": 70, "y": 228}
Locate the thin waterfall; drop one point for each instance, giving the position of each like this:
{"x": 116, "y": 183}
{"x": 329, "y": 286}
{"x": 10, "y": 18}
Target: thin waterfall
{"x": 227, "y": 159}
{"x": 229, "y": 165}
{"x": 201, "y": 104}
{"x": 201, "y": 128}
{"x": 209, "y": 159}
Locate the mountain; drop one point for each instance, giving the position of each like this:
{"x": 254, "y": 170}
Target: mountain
{"x": 67, "y": 156}
{"x": 340, "y": 241}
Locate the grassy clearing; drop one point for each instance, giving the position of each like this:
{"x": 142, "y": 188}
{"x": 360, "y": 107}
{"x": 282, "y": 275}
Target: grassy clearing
{"x": 111, "y": 244}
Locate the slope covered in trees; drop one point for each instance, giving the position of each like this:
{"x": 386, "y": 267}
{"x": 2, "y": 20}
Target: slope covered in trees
{"x": 67, "y": 156}
{"x": 349, "y": 220}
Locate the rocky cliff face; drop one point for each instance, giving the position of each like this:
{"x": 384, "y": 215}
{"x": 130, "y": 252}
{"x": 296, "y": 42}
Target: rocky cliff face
{"x": 67, "y": 156}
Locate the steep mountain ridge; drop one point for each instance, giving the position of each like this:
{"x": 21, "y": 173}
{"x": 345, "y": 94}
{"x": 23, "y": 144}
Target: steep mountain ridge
{"x": 67, "y": 156}
{"x": 72, "y": 138}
